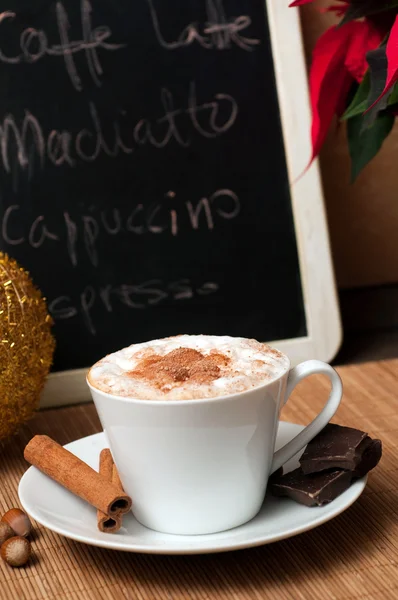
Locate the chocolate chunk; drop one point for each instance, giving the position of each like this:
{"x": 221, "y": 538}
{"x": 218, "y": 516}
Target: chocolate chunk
{"x": 278, "y": 473}
{"x": 370, "y": 458}
{"x": 335, "y": 447}
{"x": 312, "y": 490}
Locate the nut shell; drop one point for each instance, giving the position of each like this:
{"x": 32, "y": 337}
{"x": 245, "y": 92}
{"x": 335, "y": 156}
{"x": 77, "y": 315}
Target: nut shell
{"x": 16, "y": 551}
{"x": 5, "y": 532}
{"x": 18, "y": 521}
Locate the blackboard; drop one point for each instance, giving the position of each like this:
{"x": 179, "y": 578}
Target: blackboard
{"x": 143, "y": 171}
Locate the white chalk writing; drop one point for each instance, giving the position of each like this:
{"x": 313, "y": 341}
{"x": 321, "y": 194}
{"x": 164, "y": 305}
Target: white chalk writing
{"x": 218, "y": 33}
{"x": 137, "y": 219}
{"x": 109, "y": 297}
{"x": 209, "y": 119}
{"x": 34, "y": 44}
{"x": 81, "y": 233}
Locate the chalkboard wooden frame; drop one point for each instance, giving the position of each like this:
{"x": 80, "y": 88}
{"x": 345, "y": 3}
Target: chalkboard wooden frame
{"x": 321, "y": 305}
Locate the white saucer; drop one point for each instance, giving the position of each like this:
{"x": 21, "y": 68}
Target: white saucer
{"x": 62, "y": 512}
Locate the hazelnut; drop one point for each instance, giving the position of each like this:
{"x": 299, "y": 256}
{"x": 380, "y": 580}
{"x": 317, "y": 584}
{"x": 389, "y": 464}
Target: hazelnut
{"x": 16, "y": 551}
{"x": 5, "y": 532}
{"x": 18, "y": 521}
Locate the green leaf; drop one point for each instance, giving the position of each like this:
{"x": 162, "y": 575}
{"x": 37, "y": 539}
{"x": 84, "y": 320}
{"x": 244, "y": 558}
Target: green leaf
{"x": 393, "y": 99}
{"x": 377, "y": 60}
{"x": 370, "y": 89}
{"x": 359, "y": 102}
{"x": 362, "y": 8}
{"x": 364, "y": 144}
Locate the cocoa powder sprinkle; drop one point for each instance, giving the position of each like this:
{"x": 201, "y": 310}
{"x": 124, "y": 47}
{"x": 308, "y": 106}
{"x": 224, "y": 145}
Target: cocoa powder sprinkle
{"x": 177, "y": 366}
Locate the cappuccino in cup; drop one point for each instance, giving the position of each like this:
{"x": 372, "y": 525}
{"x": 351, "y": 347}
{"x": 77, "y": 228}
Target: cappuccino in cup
{"x": 186, "y": 367}
{"x": 191, "y": 421}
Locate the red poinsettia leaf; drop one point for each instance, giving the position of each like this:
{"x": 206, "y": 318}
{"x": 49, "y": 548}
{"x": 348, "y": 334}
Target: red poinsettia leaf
{"x": 329, "y": 80}
{"x": 392, "y": 60}
{"x": 336, "y": 8}
{"x": 342, "y": 101}
{"x": 300, "y": 2}
{"x": 365, "y": 39}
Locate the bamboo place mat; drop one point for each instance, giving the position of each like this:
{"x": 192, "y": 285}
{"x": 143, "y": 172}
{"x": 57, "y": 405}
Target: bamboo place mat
{"x": 353, "y": 556}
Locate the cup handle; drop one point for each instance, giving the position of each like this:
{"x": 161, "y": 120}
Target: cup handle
{"x": 310, "y": 367}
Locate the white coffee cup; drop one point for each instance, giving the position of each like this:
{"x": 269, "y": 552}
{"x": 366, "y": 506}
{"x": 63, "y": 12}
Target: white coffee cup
{"x": 202, "y": 466}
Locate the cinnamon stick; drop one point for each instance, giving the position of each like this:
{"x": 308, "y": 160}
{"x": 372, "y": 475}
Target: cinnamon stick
{"x": 76, "y": 476}
{"x": 115, "y": 477}
{"x": 107, "y": 469}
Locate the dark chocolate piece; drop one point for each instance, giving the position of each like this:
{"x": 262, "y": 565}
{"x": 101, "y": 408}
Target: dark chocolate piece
{"x": 371, "y": 455}
{"x": 312, "y": 490}
{"x": 278, "y": 473}
{"x": 335, "y": 447}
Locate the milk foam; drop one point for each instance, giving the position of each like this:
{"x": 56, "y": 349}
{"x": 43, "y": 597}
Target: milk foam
{"x": 250, "y": 365}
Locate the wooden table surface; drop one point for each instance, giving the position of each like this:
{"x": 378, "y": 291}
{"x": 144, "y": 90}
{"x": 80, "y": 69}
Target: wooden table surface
{"x": 353, "y": 556}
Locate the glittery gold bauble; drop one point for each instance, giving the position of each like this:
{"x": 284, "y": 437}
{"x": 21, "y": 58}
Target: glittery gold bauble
{"x": 26, "y": 345}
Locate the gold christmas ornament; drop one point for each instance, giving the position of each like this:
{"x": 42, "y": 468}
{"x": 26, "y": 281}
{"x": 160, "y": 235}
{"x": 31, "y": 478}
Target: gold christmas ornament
{"x": 26, "y": 345}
